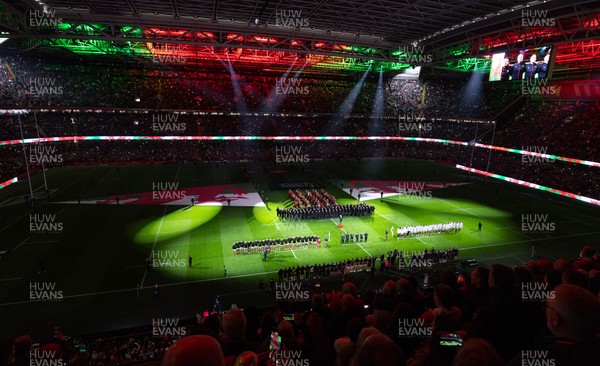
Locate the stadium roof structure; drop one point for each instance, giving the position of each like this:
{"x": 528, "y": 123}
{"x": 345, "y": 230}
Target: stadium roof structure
{"x": 331, "y": 34}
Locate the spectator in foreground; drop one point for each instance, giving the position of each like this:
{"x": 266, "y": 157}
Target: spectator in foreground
{"x": 443, "y": 297}
{"x": 23, "y": 346}
{"x": 234, "y": 329}
{"x": 246, "y": 358}
{"x": 573, "y": 317}
{"x": 477, "y": 352}
{"x": 479, "y": 290}
{"x": 587, "y": 259}
{"x": 199, "y": 350}
{"x": 378, "y": 350}
{"x": 7, "y": 352}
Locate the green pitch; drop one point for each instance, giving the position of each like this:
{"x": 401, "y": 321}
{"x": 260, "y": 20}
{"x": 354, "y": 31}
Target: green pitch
{"x": 98, "y": 257}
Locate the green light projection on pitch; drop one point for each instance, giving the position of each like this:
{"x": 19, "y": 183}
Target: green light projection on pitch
{"x": 176, "y": 223}
{"x": 265, "y": 216}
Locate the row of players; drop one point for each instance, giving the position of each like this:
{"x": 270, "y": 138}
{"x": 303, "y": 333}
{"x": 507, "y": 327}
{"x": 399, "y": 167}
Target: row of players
{"x": 354, "y": 238}
{"x": 302, "y": 242}
{"x": 417, "y": 230}
{"x": 259, "y": 246}
{"x": 325, "y": 212}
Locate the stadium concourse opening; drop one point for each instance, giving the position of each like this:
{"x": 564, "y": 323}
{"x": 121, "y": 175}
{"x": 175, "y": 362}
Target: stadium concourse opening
{"x": 308, "y": 183}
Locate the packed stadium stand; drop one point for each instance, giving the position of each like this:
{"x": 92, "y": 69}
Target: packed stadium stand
{"x": 299, "y": 182}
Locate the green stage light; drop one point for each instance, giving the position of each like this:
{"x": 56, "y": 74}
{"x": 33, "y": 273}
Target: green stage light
{"x": 176, "y": 223}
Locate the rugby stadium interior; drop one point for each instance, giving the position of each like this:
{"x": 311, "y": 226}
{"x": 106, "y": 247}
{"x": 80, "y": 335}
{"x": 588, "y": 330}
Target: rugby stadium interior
{"x": 299, "y": 182}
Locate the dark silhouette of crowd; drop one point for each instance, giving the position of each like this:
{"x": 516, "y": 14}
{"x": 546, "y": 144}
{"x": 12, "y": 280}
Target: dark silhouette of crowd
{"x": 308, "y": 272}
{"x": 541, "y": 312}
{"x": 140, "y": 95}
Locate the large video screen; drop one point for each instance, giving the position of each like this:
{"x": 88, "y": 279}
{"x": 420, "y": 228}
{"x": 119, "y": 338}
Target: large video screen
{"x": 526, "y": 64}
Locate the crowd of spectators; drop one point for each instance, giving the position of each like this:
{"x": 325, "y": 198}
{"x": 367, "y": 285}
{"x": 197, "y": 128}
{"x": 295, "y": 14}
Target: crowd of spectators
{"x": 542, "y": 312}
{"x": 548, "y": 172}
{"x": 83, "y": 83}
{"x": 308, "y": 272}
{"x": 575, "y": 178}
{"x": 116, "y": 350}
{"x": 432, "y": 256}
{"x": 561, "y": 128}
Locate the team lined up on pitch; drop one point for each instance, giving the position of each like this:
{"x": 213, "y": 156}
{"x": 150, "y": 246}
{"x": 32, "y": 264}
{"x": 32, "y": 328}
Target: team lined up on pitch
{"x": 424, "y": 230}
{"x": 324, "y": 212}
{"x": 308, "y": 198}
{"x": 276, "y": 245}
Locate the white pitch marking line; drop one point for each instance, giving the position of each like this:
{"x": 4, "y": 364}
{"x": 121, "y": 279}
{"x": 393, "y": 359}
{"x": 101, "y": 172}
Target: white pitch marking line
{"x": 10, "y": 279}
{"x": 21, "y": 243}
{"x": 520, "y": 233}
{"x": 459, "y": 208}
{"x": 158, "y": 231}
{"x": 494, "y": 258}
{"x": 519, "y": 259}
{"x": 361, "y": 247}
{"x": 155, "y": 240}
{"x": 505, "y": 227}
{"x": 61, "y": 211}
{"x": 15, "y": 220}
{"x": 419, "y": 239}
{"x": 148, "y": 287}
{"x": 345, "y": 232}
{"x": 528, "y": 241}
{"x": 41, "y": 242}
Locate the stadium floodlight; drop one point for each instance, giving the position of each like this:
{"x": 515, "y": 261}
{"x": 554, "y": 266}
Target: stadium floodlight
{"x": 239, "y": 98}
{"x": 348, "y": 103}
{"x": 378, "y": 108}
{"x": 274, "y": 99}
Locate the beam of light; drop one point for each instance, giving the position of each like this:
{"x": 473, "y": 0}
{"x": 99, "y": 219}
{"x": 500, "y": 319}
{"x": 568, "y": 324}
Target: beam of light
{"x": 239, "y": 99}
{"x": 378, "y": 108}
{"x": 531, "y": 185}
{"x": 175, "y": 224}
{"x": 9, "y": 182}
{"x": 471, "y": 94}
{"x": 292, "y": 138}
{"x": 346, "y": 107}
{"x": 273, "y": 98}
